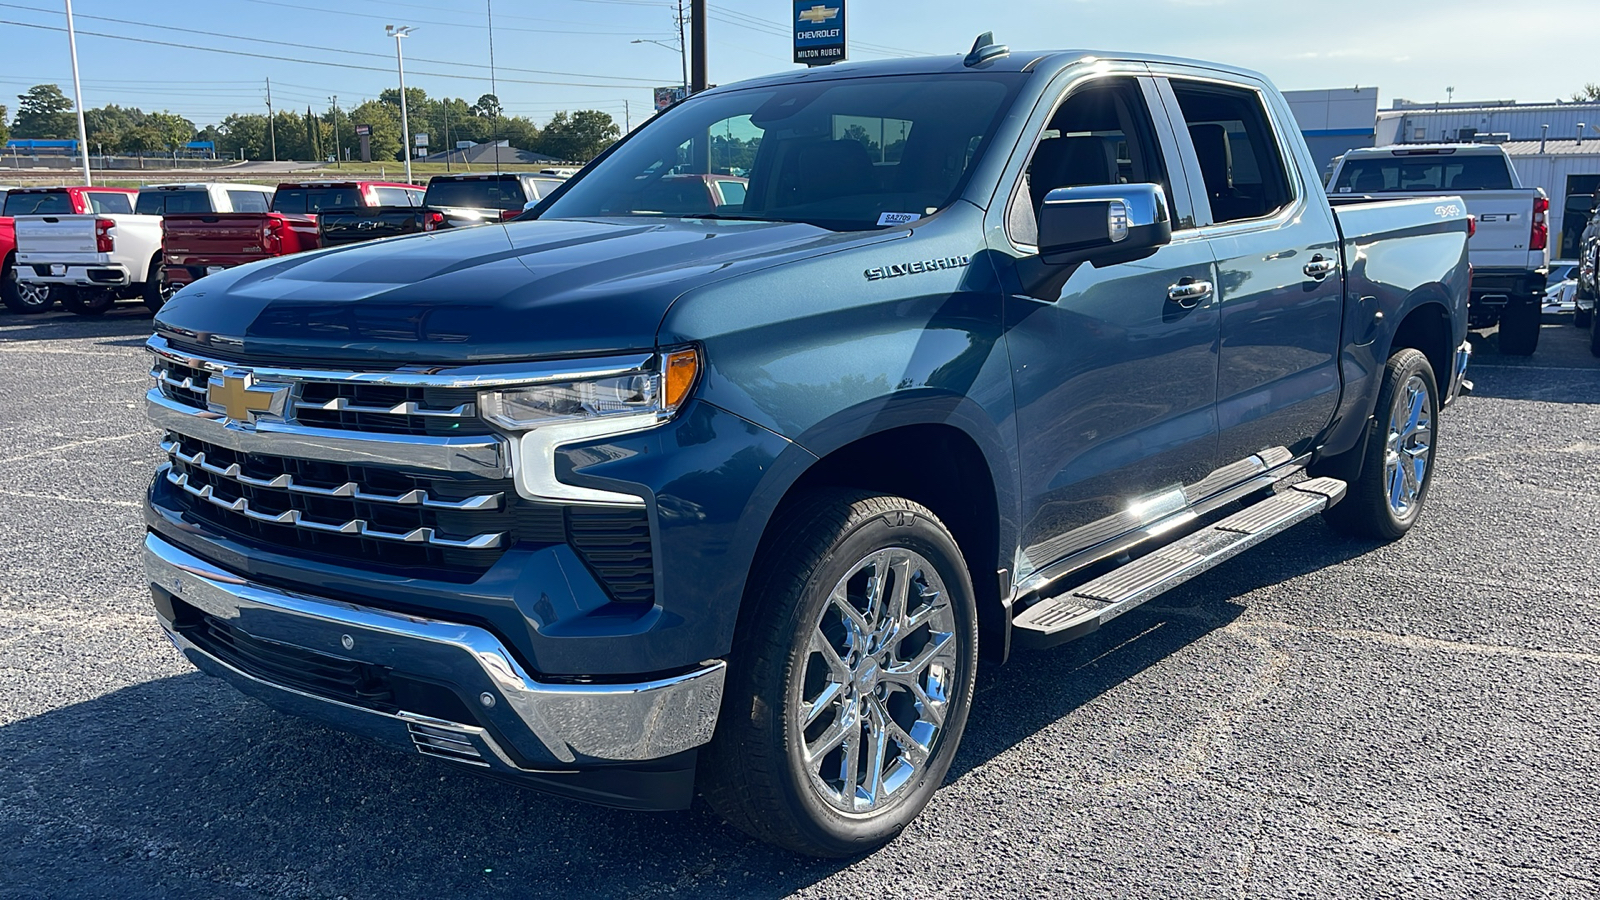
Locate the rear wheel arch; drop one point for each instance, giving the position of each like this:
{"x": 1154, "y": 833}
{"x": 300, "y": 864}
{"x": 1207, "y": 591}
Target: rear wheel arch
{"x": 1426, "y": 327}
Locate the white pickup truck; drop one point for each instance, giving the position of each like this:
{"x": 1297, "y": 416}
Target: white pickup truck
{"x": 1510, "y": 248}
{"x": 93, "y": 260}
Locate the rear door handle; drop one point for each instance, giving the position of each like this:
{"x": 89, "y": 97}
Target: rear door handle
{"x": 1190, "y": 293}
{"x": 1321, "y": 267}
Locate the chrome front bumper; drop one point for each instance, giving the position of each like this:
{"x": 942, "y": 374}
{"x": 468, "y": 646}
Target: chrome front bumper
{"x": 549, "y": 727}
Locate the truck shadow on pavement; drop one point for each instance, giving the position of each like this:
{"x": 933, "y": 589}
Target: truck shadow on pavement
{"x": 180, "y": 787}
{"x": 128, "y": 320}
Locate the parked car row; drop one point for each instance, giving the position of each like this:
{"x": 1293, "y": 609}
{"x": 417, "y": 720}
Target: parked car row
{"x": 88, "y": 248}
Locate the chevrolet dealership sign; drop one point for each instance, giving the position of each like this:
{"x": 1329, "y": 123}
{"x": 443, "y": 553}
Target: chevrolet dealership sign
{"x": 818, "y": 32}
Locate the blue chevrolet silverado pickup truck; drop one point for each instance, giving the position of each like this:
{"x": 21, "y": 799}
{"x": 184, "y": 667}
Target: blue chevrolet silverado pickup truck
{"x": 625, "y": 503}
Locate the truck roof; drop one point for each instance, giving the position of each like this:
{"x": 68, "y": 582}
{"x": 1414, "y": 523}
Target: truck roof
{"x": 69, "y": 188}
{"x": 1427, "y": 149}
{"x": 1015, "y": 61}
{"x": 346, "y": 184}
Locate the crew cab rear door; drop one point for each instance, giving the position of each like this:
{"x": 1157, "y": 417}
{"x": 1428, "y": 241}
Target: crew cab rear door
{"x": 1113, "y": 368}
{"x": 1280, "y": 279}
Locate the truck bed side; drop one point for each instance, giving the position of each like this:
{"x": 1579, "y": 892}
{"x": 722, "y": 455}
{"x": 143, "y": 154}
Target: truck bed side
{"x": 1394, "y": 252}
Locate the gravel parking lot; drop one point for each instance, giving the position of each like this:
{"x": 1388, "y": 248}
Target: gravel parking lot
{"x": 1321, "y": 717}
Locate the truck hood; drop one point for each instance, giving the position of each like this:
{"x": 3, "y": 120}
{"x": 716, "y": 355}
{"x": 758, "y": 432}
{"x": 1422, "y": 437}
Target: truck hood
{"x": 489, "y": 293}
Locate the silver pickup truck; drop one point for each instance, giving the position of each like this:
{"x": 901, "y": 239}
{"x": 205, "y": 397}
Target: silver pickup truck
{"x": 1510, "y": 244}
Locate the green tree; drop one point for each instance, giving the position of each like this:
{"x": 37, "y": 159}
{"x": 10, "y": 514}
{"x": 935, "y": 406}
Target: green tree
{"x": 578, "y": 137}
{"x": 385, "y": 121}
{"x": 45, "y": 114}
{"x": 246, "y": 133}
{"x": 488, "y": 107}
{"x": 313, "y": 135}
{"x": 140, "y": 139}
{"x": 1587, "y": 94}
{"x": 520, "y": 132}
{"x": 107, "y": 124}
{"x": 5, "y": 133}
{"x": 173, "y": 130}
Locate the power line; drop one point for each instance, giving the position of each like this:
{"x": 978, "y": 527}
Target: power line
{"x": 286, "y": 59}
{"x": 642, "y": 82}
{"x": 371, "y": 17}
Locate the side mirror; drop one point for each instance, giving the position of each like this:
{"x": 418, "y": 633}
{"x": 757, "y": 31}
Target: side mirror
{"x": 529, "y": 205}
{"x": 1103, "y": 224}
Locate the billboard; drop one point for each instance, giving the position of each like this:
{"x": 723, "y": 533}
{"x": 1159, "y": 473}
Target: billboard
{"x": 818, "y": 32}
{"x": 666, "y": 96}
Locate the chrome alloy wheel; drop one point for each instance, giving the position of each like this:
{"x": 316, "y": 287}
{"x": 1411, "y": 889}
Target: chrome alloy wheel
{"x": 33, "y": 295}
{"x": 875, "y": 681}
{"x": 1405, "y": 461}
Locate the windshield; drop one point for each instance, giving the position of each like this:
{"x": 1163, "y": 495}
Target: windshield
{"x": 504, "y": 193}
{"x": 1433, "y": 172}
{"x": 161, "y": 202}
{"x": 58, "y": 203}
{"x": 845, "y": 155}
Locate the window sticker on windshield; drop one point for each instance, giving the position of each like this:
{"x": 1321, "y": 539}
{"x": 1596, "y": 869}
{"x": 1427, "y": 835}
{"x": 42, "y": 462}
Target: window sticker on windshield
{"x": 897, "y": 218}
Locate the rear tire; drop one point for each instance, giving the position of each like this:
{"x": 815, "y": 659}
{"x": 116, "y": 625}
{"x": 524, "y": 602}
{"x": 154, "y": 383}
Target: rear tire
{"x": 1594, "y": 334}
{"x": 89, "y": 302}
{"x": 1581, "y": 317}
{"x": 24, "y": 299}
{"x": 1519, "y": 329}
{"x": 812, "y": 752}
{"x": 157, "y": 289}
{"x": 1386, "y": 500}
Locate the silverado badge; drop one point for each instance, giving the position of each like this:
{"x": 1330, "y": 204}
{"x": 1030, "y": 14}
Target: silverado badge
{"x": 878, "y": 273}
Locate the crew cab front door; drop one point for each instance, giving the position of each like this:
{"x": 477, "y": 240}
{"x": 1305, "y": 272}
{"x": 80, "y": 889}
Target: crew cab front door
{"x": 1113, "y": 368}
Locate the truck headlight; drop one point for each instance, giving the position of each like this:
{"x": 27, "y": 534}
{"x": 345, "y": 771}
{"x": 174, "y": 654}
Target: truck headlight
{"x": 545, "y": 416}
{"x": 640, "y": 397}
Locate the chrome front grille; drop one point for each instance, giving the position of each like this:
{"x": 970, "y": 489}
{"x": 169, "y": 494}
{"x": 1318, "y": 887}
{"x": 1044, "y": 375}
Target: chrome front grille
{"x": 386, "y": 470}
{"x": 360, "y": 514}
{"x": 343, "y": 406}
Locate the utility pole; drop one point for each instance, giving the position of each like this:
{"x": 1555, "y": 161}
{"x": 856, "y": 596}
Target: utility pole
{"x": 493, "y": 89}
{"x": 77, "y": 95}
{"x": 447, "y": 148}
{"x": 683, "y": 46}
{"x": 627, "y": 117}
{"x": 698, "y": 28}
{"x": 337, "y": 152}
{"x": 405, "y": 121}
{"x": 272, "y": 125}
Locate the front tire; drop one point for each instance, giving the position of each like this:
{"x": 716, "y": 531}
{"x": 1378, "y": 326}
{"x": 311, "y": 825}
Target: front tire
{"x": 89, "y": 302}
{"x": 1519, "y": 329}
{"x": 1386, "y": 500}
{"x": 852, "y": 676}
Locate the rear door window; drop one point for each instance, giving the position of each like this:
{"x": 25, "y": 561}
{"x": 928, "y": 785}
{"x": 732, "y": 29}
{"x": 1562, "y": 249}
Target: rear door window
{"x": 56, "y": 203}
{"x": 109, "y": 202}
{"x": 1240, "y": 159}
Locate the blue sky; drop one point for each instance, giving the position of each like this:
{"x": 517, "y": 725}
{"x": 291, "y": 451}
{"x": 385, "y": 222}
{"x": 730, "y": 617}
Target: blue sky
{"x": 562, "y": 54}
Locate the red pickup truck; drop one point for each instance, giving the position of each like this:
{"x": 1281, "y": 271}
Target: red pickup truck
{"x": 196, "y": 244}
{"x": 47, "y": 201}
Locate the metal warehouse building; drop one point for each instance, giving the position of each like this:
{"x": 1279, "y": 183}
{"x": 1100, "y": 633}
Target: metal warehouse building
{"x": 1406, "y": 122}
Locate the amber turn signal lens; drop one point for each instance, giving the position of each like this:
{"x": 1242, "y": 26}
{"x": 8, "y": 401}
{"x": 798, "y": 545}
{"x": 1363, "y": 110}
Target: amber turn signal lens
{"x": 682, "y": 367}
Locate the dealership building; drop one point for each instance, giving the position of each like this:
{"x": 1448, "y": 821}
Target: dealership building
{"x": 1554, "y": 146}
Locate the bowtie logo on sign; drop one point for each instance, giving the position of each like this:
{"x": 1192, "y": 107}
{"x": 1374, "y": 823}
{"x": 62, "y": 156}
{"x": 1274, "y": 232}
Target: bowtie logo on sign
{"x": 818, "y": 32}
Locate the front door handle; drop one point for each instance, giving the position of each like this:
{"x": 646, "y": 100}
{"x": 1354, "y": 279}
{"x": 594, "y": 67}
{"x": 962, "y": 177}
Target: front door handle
{"x": 1321, "y": 267}
{"x": 1189, "y": 293}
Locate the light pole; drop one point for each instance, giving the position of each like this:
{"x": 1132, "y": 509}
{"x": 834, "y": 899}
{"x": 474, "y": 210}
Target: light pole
{"x": 405, "y": 122}
{"x": 77, "y": 95}
{"x": 677, "y": 49}
{"x": 338, "y": 154}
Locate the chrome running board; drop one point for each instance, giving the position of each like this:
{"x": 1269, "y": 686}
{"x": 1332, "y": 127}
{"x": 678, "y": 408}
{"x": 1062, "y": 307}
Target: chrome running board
{"x": 1083, "y": 609}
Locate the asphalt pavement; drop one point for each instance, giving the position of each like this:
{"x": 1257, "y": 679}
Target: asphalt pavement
{"x": 1321, "y": 717}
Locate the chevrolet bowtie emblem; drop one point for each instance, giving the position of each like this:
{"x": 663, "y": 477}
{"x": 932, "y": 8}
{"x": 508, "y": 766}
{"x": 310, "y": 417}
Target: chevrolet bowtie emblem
{"x": 818, "y": 14}
{"x": 236, "y": 394}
